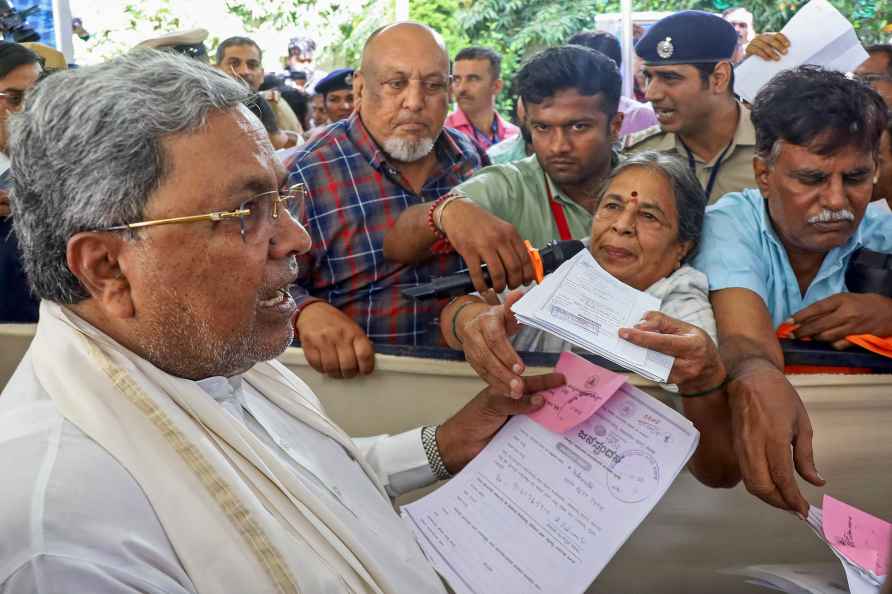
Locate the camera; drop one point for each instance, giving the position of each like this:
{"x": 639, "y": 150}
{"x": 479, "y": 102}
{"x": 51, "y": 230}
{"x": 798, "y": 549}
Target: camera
{"x": 13, "y": 25}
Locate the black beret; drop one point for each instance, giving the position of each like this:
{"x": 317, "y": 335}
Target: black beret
{"x": 336, "y": 80}
{"x": 688, "y": 37}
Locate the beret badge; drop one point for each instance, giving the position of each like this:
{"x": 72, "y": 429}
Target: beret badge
{"x": 665, "y": 49}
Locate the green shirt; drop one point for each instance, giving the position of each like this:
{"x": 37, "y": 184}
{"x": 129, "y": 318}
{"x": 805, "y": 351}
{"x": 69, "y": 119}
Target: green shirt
{"x": 512, "y": 149}
{"x": 515, "y": 192}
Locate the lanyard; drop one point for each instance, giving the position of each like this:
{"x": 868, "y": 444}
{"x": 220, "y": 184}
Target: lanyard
{"x": 490, "y": 140}
{"x": 557, "y": 211}
{"x": 715, "y": 169}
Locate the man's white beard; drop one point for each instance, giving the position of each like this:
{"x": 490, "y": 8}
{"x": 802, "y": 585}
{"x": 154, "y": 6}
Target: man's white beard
{"x": 408, "y": 151}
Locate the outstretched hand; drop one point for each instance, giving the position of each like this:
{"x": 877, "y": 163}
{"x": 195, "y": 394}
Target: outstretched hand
{"x": 486, "y": 342}
{"x": 466, "y": 433}
{"x": 768, "y": 46}
{"x": 481, "y": 237}
{"x": 768, "y": 418}
{"x": 697, "y": 364}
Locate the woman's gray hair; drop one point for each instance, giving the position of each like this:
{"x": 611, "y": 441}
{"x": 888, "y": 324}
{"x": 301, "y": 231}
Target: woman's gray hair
{"x": 690, "y": 199}
{"x": 87, "y": 151}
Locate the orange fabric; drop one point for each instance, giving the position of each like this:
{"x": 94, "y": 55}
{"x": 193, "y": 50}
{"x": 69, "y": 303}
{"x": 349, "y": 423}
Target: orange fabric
{"x": 874, "y": 344}
{"x": 536, "y": 259}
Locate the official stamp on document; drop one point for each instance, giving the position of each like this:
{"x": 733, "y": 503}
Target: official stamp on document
{"x": 634, "y": 477}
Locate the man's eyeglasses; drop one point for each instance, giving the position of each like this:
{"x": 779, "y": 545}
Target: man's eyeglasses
{"x": 14, "y": 97}
{"x": 254, "y": 215}
{"x": 872, "y": 78}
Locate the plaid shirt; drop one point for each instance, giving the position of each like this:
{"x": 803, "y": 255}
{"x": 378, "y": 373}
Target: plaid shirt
{"x": 354, "y": 198}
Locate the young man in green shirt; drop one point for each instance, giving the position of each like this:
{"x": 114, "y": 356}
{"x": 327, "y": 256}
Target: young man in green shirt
{"x": 571, "y": 95}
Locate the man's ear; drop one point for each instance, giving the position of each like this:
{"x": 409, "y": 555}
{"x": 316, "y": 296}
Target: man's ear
{"x": 762, "y": 170}
{"x": 358, "y": 90}
{"x": 94, "y": 258}
{"x": 721, "y": 78}
{"x": 497, "y": 87}
{"x": 616, "y": 124}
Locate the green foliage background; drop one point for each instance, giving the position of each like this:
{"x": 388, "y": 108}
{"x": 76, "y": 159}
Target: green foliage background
{"x": 516, "y": 28}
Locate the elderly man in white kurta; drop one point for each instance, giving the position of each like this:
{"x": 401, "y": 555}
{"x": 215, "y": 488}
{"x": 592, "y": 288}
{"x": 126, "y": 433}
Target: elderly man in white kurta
{"x": 148, "y": 441}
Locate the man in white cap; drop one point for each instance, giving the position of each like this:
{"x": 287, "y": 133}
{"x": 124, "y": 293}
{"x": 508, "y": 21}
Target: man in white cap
{"x": 188, "y": 43}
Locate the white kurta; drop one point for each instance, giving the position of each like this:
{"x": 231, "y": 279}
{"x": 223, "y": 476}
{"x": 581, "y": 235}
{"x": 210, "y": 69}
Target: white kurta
{"x": 73, "y": 519}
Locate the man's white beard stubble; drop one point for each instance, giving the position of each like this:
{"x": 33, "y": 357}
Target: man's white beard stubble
{"x": 408, "y": 151}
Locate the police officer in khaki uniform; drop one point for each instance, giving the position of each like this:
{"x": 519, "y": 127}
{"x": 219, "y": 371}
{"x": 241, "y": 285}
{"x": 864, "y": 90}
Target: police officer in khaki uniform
{"x": 690, "y": 82}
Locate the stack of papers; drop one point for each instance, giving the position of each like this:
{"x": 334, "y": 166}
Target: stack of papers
{"x": 538, "y": 511}
{"x": 819, "y": 34}
{"x": 805, "y": 578}
{"x": 585, "y": 305}
{"x": 859, "y": 540}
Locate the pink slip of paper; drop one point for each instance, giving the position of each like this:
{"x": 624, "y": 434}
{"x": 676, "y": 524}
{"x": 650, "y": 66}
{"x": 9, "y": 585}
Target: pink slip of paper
{"x": 588, "y": 387}
{"x": 859, "y": 536}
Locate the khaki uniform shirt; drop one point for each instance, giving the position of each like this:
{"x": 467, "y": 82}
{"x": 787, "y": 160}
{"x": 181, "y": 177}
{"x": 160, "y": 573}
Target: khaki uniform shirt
{"x": 736, "y": 169}
{"x": 515, "y": 192}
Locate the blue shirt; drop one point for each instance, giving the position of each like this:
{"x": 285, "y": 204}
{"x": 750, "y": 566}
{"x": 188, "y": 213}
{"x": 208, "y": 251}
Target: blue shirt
{"x": 740, "y": 249}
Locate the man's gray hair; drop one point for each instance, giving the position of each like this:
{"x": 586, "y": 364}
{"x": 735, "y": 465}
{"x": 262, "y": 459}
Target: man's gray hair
{"x": 690, "y": 199}
{"x": 87, "y": 151}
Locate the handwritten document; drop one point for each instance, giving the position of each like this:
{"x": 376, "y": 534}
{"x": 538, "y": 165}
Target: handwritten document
{"x": 540, "y": 512}
{"x": 585, "y": 305}
{"x": 587, "y": 388}
{"x": 860, "y": 541}
{"x": 819, "y": 34}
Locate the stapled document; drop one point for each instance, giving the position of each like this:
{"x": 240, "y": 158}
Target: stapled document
{"x": 819, "y": 34}
{"x": 537, "y": 511}
{"x": 585, "y": 305}
{"x": 860, "y": 541}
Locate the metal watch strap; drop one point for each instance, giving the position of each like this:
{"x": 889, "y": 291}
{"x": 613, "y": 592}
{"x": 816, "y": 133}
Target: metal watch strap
{"x": 432, "y": 451}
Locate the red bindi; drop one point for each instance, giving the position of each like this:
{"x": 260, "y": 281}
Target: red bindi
{"x": 634, "y": 194}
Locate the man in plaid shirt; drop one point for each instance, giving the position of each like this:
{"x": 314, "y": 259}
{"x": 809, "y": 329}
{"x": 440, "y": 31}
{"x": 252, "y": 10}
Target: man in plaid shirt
{"x": 360, "y": 174}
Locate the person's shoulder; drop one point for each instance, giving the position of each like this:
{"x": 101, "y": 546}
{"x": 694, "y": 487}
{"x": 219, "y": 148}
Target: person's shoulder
{"x": 649, "y": 138}
{"x": 465, "y": 145}
{"x": 330, "y": 142}
{"x": 748, "y": 203}
{"x": 503, "y": 181}
{"x": 70, "y": 509}
{"x": 876, "y": 227}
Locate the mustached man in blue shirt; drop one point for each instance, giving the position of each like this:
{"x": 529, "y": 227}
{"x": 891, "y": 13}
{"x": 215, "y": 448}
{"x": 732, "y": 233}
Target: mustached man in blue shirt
{"x": 780, "y": 253}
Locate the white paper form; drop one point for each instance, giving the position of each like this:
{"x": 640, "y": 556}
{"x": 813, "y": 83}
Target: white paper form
{"x": 819, "y": 34}
{"x": 541, "y": 512}
{"x": 585, "y": 305}
{"x": 803, "y": 578}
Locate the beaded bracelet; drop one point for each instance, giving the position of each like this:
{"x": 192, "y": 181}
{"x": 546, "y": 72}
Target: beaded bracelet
{"x": 430, "y": 217}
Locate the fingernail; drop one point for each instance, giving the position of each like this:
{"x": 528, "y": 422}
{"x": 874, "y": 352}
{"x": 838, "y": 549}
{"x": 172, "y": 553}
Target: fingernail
{"x": 801, "y": 517}
{"x": 518, "y": 368}
{"x": 537, "y": 400}
{"x": 789, "y": 321}
{"x": 819, "y": 476}
{"x": 623, "y": 333}
{"x": 516, "y": 388}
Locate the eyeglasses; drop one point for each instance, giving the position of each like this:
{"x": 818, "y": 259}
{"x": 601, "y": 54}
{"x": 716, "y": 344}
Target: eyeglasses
{"x": 254, "y": 215}
{"x": 872, "y": 78}
{"x": 13, "y": 96}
